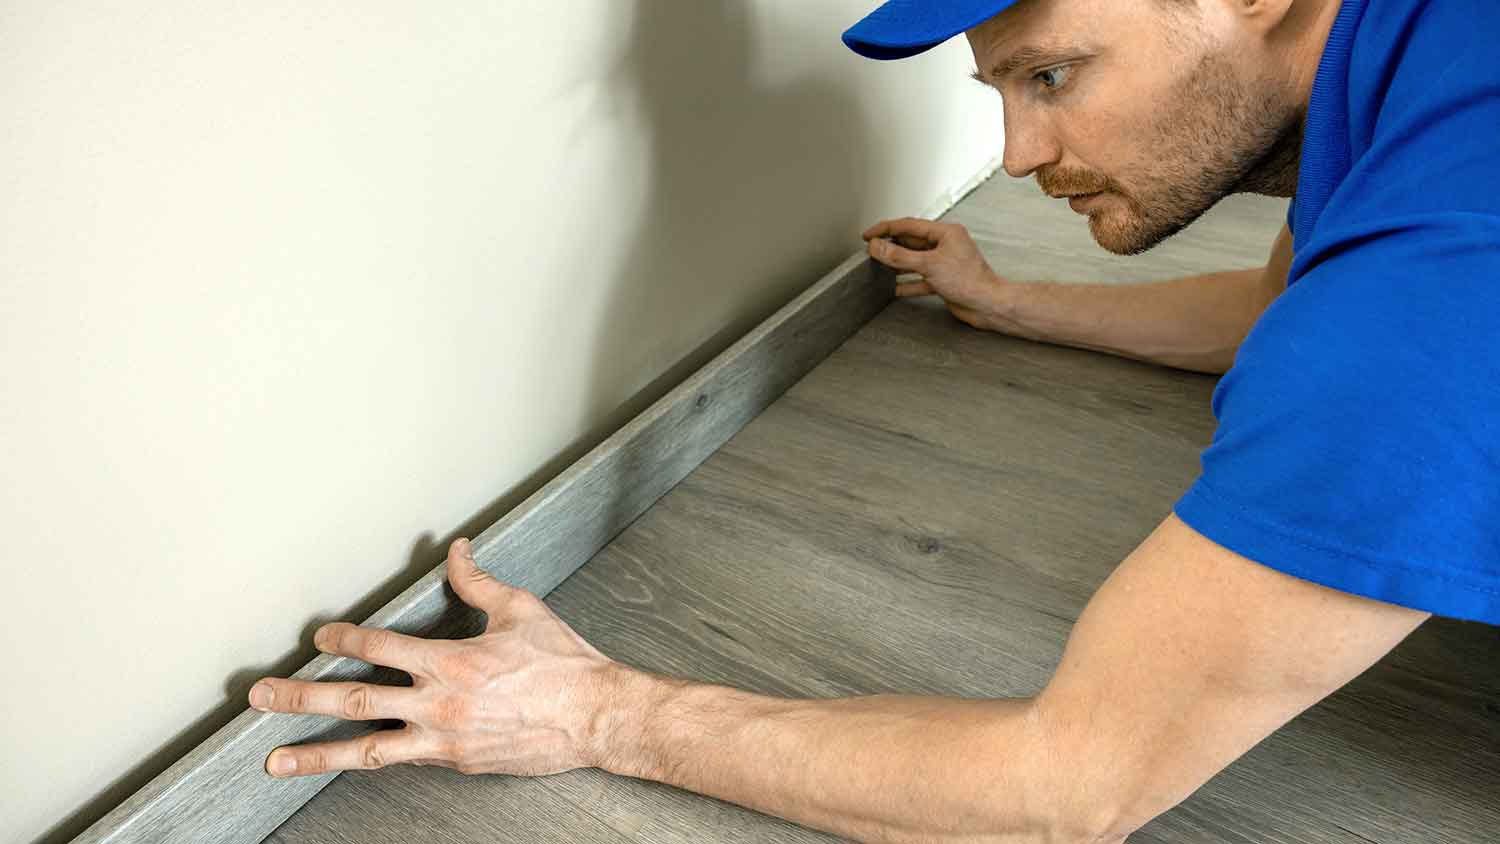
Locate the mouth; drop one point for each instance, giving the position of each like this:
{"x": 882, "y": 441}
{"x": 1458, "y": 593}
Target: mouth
{"x": 1080, "y": 201}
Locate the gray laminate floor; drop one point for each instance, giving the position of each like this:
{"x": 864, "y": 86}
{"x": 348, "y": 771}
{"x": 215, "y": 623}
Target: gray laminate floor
{"x": 927, "y": 512}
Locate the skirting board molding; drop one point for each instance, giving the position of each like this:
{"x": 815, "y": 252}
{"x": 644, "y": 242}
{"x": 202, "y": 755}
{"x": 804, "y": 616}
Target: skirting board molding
{"x": 220, "y": 792}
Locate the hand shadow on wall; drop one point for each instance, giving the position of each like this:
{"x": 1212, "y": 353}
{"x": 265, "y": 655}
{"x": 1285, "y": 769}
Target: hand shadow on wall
{"x": 739, "y": 169}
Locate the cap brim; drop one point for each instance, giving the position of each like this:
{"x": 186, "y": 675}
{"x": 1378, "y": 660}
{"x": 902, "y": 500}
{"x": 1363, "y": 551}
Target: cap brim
{"x": 902, "y": 28}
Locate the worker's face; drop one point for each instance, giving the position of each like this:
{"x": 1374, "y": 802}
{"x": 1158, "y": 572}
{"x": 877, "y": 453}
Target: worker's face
{"x": 1160, "y": 108}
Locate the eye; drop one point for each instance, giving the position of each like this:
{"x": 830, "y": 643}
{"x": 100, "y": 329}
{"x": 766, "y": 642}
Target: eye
{"x": 1054, "y": 78}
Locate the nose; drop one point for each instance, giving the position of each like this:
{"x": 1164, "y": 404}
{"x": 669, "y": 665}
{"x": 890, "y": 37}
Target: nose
{"x": 1028, "y": 145}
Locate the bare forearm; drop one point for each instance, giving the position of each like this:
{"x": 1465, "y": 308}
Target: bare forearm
{"x": 881, "y": 768}
{"x": 1196, "y": 322}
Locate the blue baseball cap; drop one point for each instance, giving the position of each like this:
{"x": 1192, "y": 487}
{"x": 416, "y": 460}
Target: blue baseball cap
{"x": 902, "y": 28}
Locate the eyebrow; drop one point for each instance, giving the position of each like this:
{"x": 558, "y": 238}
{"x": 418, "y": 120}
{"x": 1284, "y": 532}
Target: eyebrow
{"x": 1021, "y": 58}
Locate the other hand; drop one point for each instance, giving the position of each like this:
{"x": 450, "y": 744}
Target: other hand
{"x": 950, "y": 265}
{"x": 519, "y": 698}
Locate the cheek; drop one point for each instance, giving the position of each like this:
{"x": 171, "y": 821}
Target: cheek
{"x": 1124, "y": 132}
{"x": 1094, "y": 152}
{"x": 1105, "y": 139}
{"x": 1130, "y": 148}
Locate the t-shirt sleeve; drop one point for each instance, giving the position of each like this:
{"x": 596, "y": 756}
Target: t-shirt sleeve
{"x": 1358, "y": 439}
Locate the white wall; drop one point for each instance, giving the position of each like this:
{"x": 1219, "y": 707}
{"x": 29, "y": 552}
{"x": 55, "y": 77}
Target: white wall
{"x": 293, "y": 292}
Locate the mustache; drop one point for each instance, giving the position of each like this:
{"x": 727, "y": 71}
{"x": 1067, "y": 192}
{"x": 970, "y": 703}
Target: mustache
{"x": 1058, "y": 182}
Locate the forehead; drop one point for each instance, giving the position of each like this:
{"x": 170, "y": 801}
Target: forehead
{"x": 1040, "y": 26}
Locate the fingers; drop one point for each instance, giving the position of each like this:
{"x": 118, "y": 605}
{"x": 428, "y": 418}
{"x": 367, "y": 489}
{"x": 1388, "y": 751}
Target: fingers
{"x": 350, "y": 701}
{"x": 914, "y": 288}
{"x": 475, "y": 586}
{"x": 376, "y": 645}
{"x": 376, "y": 750}
{"x": 911, "y": 242}
{"x": 902, "y": 243}
{"x": 930, "y": 231}
{"x": 899, "y": 257}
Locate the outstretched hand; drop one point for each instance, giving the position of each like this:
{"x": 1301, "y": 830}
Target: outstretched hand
{"x": 520, "y": 698}
{"x": 950, "y": 265}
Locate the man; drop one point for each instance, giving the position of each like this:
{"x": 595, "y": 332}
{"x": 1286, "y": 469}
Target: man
{"x": 1350, "y": 490}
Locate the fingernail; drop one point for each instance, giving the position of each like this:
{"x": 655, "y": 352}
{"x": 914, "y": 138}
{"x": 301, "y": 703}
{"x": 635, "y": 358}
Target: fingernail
{"x": 282, "y": 763}
{"x": 465, "y": 549}
{"x": 261, "y": 696}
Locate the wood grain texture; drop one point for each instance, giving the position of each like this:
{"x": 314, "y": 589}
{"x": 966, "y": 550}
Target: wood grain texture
{"x": 220, "y": 792}
{"x": 927, "y": 511}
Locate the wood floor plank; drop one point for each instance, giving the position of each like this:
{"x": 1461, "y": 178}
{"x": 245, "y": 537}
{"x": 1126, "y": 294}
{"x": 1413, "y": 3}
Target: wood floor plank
{"x": 803, "y": 550}
{"x": 928, "y": 511}
{"x": 406, "y": 803}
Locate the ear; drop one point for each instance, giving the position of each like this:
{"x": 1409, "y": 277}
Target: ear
{"x": 1262, "y": 16}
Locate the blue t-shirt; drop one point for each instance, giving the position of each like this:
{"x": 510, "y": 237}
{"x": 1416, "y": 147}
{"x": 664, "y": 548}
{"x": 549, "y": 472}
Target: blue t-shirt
{"x": 1358, "y": 443}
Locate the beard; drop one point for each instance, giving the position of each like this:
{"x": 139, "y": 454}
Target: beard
{"x": 1225, "y": 135}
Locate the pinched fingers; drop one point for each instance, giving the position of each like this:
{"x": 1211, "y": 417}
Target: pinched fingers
{"x": 899, "y": 257}
{"x": 907, "y": 227}
{"x": 914, "y": 288}
{"x": 913, "y": 242}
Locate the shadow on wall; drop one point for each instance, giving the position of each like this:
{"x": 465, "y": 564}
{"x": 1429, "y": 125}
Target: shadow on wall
{"x": 738, "y": 167}
{"x": 734, "y": 169}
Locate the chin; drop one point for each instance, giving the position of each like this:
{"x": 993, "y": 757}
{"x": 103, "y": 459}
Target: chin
{"x": 1113, "y": 237}
{"x": 1125, "y": 237}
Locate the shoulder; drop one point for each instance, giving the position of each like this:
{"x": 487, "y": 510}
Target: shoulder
{"x": 1403, "y": 119}
{"x": 1359, "y": 428}
{"x": 1424, "y": 109}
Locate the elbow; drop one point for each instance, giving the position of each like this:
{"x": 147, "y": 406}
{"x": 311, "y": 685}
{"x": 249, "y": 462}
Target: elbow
{"x": 1094, "y": 816}
{"x": 1093, "y": 789}
{"x": 1097, "y": 823}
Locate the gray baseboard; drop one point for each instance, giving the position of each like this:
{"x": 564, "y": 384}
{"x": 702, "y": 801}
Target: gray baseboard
{"x": 220, "y": 792}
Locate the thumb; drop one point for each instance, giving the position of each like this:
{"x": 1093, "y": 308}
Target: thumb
{"x": 475, "y": 586}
